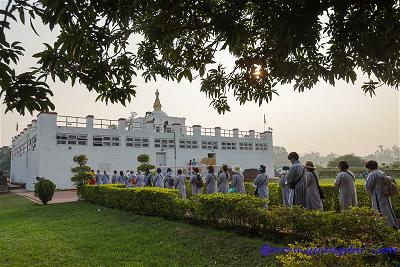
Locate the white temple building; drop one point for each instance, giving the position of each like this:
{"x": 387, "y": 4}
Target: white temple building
{"x": 46, "y": 147}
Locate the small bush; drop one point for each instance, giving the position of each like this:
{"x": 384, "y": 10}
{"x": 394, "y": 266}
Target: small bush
{"x": 81, "y": 173}
{"x": 44, "y": 190}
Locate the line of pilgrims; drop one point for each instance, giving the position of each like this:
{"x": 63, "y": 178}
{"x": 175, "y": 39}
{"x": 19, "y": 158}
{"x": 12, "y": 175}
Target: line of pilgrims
{"x": 222, "y": 182}
{"x": 299, "y": 184}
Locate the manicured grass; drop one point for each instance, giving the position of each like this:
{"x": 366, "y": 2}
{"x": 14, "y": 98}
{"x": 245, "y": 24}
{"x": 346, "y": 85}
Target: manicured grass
{"x": 77, "y": 234}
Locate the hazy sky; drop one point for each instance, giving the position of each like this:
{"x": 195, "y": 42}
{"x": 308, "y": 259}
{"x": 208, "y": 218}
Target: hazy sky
{"x": 338, "y": 119}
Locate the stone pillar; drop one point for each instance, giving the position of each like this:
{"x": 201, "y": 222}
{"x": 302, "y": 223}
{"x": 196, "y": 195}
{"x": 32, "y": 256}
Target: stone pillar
{"x": 217, "y": 131}
{"x": 252, "y": 134}
{"x": 47, "y": 120}
{"x": 89, "y": 121}
{"x": 121, "y": 124}
{"x": 176, "y": 128}
{"x": 196, "y": 130}
{"x": 150, "y": 126}
{"x": 235, "y": 132}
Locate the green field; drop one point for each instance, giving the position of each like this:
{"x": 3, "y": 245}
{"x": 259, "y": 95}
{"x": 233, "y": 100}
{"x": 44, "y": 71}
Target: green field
{"x": 77, "y": 233}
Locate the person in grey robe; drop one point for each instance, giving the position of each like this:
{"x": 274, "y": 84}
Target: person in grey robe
{"x": 238, "y": 180}
{"x": 295, "y": 179}
{"x": 223, "y": 180}
{"x": 105, "y": 179}
{"x": 127, "y": 180}
{"x": 313, "y": 195}
{"x": 284, "y": 186}
{"x": 195, "y": 189}
{"x": 211, "y": 181}
{"x": 180, "y": 183}
{"x": 114, "y": 178}
{"x": 121, "y": 177}
{"x": 140, "y": 180}
{"x": 345, "y": 181}
{"x": 169, "y": 179}
{"x": 148, "y": 178}
{"x": 132, "y": 178}
{"x": 158, "y": 179}
{"x": 99, "y": 177}
{"x": 380, "y": 202}
{"x": 261, "y": 183}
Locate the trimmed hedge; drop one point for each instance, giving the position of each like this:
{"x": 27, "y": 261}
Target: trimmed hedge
{"x": 151, "y": 201}
{"x": 332, "y": 172}
{"x": 331, "y": 193}
{"x": 238, "y": 211}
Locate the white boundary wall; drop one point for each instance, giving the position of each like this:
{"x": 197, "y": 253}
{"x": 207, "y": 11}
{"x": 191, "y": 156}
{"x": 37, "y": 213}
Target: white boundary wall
{"x": 35, "y": 151}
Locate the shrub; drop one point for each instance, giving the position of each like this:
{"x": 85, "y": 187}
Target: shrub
{"x": 44, "y": 190}
{"x": 82, "y": 173}
{"x": 330, "y": 202}
{"x": 144, "y": 159}
{"x": 152, "y": 201}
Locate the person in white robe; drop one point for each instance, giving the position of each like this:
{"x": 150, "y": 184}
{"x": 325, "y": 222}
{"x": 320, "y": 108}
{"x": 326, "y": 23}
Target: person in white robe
{"x": 238, "y": 180}
{"x": 99, "y": 177}
{"x": 314, "y": 193}
{"x": 169, "y": 179}
{"x": 105, "y": 179}
{"x": 345, "y": 181}
{"x": 158, "y": 179}
{"x": 114, "y": 178}
{"x": 121, "y": 177}
{"x": 284, "y": 186}
{"x": 140, "y": 179}
{"x": 132, "y": 178}
{"x": 223, "y": 180}
{"x": 180, "y": 183}
{"x": 382, "y": 203}
{"x": 261, "y": 183}
{"x": 296, "y": 181}
{"x": 196, "y": 189}
{"x": 211, "y": 181}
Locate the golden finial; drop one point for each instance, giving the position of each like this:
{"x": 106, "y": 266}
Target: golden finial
{"x": 157, "y": 104}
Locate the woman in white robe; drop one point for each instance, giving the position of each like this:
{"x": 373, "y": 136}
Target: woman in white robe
{"x": 158, "y": 179}
{"x": 211, "y": 181}
{"x": 345, "y": 181}
{"x": 140, "y": 180}
{"x": 223, "y": 180}
{"x": 313, "y": 195}
{"x": 284, "y": 187}
{"x": 296, "y": 181}
{"x": 261, "y": 183}
{"x": 195, "y": 188}
{"x": 380, "y": 202}
{"x": 169, "y": 179}
{"x": 114, "y": 178}
{"x": 180, "y": 183}
{"x": 238, "y": 180}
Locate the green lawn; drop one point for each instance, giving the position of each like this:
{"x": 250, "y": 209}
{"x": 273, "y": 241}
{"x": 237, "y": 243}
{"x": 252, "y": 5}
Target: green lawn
{"x": 77, "y": 233}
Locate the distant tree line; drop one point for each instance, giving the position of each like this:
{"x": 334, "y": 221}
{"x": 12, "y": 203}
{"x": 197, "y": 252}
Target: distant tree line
{"x": 386, "y": 157}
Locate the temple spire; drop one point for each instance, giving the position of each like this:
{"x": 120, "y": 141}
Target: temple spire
{"x": 157, "y": 104}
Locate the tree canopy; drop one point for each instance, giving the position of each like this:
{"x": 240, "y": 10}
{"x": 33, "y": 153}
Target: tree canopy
{"x": 352, "y": 160}
{"x": 272, "y": 42}
{"x": 5, "y": 158}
